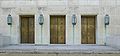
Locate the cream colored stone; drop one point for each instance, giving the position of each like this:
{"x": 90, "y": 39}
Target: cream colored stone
{"x": 62, "y": 7}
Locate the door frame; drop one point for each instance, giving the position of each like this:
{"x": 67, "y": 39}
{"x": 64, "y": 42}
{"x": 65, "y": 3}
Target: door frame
{"x": 20, "y": 27}
{"x": 95, "y": 28}
{"x": 65, "y": 29}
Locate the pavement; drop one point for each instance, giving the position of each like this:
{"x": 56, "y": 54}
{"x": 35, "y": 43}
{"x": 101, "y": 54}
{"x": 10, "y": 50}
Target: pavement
{"x": 59, "y": 49}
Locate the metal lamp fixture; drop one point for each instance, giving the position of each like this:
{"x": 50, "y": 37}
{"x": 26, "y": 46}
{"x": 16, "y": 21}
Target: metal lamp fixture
{"x": 9, "y": 20}
{"x": 41, "y": 19}
{"x": 106, "y": 19}
{"x": 74, "y": 20}
{"x": 106, "y": 22}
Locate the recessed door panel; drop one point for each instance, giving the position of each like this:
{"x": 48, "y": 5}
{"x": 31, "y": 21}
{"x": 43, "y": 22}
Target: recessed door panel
{"x": 31, "y": 30}
{"x": 53, "y": 30}
{"x": 84, "y": 30}
{"x": 88, "y": 29}
{"x": 57, "y": 29}
{"x": 91, "y": 30}
{"x": 27, "y": 29}
{"x": 61, "y": 30}
{"x": 24, "y": 32}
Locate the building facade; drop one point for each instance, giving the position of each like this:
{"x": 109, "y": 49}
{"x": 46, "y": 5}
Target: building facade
{"x": 57, "y": 27}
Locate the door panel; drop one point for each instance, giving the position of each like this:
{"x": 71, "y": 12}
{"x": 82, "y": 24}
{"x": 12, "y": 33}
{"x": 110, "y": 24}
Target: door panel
{"x": 84, "y": 30}
{"x": 61, "y": 29}
{"x": 24, "y": 32}
{"x": 27, "y": 29}
{"x": 53, "y": 30}
{"x": 31, "y": 30}
{"x": 88, "y": 30}
{"x": 57, "y": 30}
{"x": 91, "y": 30}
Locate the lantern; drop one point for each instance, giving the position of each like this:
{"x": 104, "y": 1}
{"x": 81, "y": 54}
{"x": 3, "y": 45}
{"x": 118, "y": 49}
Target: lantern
{"x": 74, "y": 20}
{"x": 106, "y": 19}
{"x": 41, "y": 19}
{"x": 9, "y": 20}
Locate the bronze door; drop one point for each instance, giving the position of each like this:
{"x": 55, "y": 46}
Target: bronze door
{"x": 27, "y": 29}
{"x": 57, "y": 29}
{"x": 88, "y": 29}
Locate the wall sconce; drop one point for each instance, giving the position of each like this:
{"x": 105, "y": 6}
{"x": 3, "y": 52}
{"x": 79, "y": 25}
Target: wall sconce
{"x": 9, "y": 20}
{"x": 74, "y": 19}
{"x": 106, "y": 19}
{"x": 41, "y": 19}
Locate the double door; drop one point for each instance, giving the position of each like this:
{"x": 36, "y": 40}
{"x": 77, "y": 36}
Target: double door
{"x": 88, "y": 27}
{"x": 27, "y": 29}
{"x": 57, "y": 29}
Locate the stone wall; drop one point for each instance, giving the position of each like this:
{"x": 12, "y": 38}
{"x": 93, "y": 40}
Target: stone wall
{"x": 113, "y": 32}
{"x": 4, "y": 40}
{"x": 62, "y": 7}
